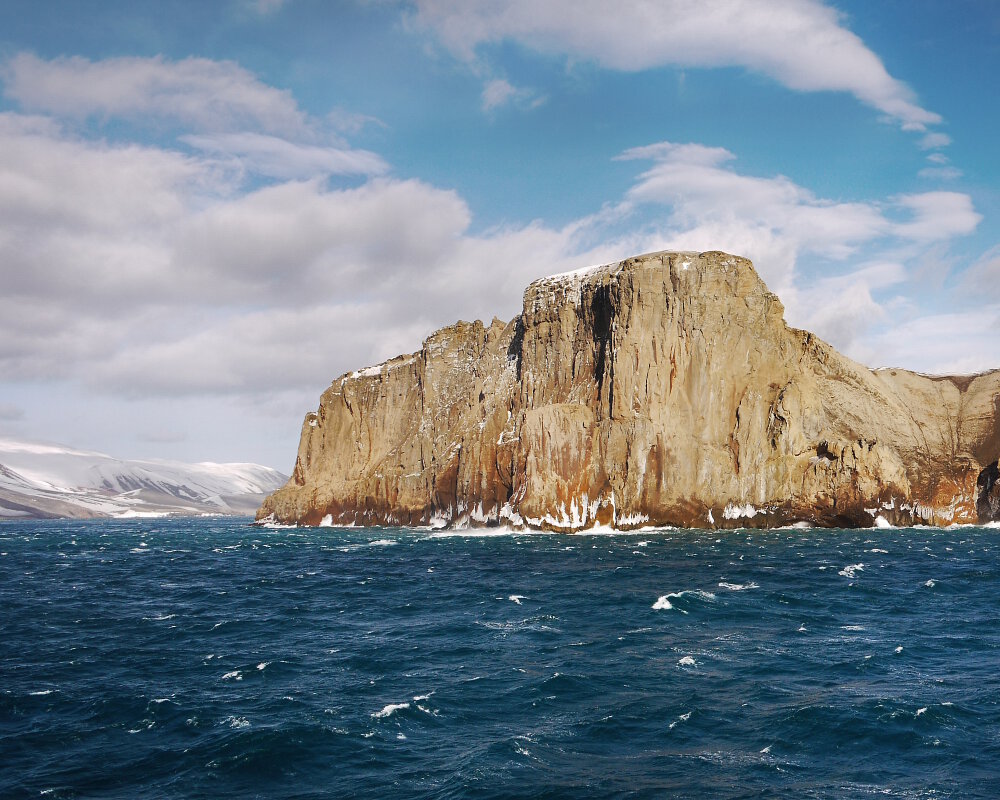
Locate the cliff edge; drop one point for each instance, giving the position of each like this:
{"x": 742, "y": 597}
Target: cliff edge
{"x": 662, "y": 390}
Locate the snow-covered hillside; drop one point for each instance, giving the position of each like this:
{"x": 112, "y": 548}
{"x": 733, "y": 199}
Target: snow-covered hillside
{"x": 47, "y": 480}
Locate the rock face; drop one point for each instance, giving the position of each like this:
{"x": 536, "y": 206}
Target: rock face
{"x": 662, "y": 390}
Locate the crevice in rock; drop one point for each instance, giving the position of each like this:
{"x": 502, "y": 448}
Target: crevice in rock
{"x": 988, "y": 493}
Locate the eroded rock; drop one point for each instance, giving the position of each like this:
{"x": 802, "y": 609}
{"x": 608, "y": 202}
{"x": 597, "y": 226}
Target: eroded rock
{"x": 662, "y": 390}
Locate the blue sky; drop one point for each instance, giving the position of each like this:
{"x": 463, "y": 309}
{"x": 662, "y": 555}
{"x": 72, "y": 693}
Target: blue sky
{"x": 210, "y": 210}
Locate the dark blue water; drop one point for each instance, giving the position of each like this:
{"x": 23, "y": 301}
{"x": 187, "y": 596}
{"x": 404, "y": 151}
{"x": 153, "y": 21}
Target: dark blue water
{"x": 209, "y": 658}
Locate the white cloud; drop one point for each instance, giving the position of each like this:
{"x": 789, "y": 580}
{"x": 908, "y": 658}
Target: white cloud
{"x": 499, "y": 92}
{"x": 280, "y": 158}
{"x": 772, "y": 220}
{"x": 803, "y": 44}
{"x": 841, "y": 308}
{"x": 941, "y": 173}
{"x": 797, "y": 239}
{"x": 936, "y": 216}
{"x": 982, "y": 279}
{"x": 946, "y": 344}
{"x": 934, "y": 140}
{"x": 197, "y": 92}
{"x": 141, "y": 270}
{"x": 205, "y": 286}
{"x": 345, "y": 121}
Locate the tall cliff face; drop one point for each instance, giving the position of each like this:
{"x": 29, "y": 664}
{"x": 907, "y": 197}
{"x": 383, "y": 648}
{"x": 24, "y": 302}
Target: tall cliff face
{"x": 662, "y": 390}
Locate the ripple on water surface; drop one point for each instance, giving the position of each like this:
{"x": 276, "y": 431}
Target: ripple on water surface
{"x": 181, "y": 658}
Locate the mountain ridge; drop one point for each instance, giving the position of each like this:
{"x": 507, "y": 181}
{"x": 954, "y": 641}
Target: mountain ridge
{"x": 43, "y": 480}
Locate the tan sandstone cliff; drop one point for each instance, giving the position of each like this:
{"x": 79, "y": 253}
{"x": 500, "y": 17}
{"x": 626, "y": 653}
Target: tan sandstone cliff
{"x": 662, "y": 390}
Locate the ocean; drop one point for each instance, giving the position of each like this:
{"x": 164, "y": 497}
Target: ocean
{"x": 208, "y": 658}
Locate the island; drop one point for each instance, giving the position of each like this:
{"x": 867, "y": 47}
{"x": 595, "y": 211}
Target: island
{"x": 662, "y": 390}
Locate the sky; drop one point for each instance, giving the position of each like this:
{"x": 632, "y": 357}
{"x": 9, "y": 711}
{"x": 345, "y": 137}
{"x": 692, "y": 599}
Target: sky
{"x": 209, "y": 211}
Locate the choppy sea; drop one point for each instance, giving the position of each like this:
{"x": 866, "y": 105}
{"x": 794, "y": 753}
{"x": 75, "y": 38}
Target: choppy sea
{"x": 208, "y": 658}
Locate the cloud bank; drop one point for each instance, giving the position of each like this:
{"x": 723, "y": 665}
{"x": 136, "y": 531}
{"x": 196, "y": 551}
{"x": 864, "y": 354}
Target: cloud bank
{"x": 232, "y": 261}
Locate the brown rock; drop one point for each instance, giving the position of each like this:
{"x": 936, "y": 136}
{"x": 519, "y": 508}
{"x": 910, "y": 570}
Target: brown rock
{"x": 662, "y": 390}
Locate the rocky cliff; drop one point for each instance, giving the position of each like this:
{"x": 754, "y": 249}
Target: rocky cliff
{"x": 662, "y": 390}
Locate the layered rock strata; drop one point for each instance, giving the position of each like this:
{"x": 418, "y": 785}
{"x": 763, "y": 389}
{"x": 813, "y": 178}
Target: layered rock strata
{"x": 662, "y": 390}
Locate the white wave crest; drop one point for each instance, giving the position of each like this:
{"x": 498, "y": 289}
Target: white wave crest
{"x": 389, "y": 710}
{"x": 738, "y": 587}
{"x": 663, "y": 601}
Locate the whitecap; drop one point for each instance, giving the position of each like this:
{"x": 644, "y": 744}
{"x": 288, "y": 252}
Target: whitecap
{"x": 238, "y": 723}
{"x": 263, "y": 665}
{"x": 516, "y": 598}
{"x": 663, "y": 601}
{"x": 921, "y": 711}
{"x": 41, "y": 693}
{"x": 381, "y": 543}
{"x": 681, "y": 718}
{"x": 898, "y": 649}
{"x": 235, "y": 675}
{"x": 687, "y": 661}
{"x": 448, "y": 533}
{"x": 148, "y": 726}
{"x": 663, "y": 604}
{"x": 738, "y": 587}
{"x": 851, "y": 569}
{"x": 930, "y": 584}
{"x": 389, "y": 710}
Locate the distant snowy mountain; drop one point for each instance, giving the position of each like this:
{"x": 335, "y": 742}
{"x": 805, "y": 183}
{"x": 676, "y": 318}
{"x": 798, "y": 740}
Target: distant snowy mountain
{"x": 52, "y": 481}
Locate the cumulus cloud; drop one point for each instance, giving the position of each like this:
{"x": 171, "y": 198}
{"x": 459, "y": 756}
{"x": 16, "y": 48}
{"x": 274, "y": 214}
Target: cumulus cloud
{"x": 207, "y": 286}
{"x": 164, "y": 272}
{"x": 802, "y": 44}
{"x": 800, "y": 242}
{"x": 197, "y": 92}
{"x": 771, "y": 219}
{"x": 144, "y": 270}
